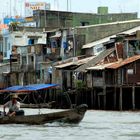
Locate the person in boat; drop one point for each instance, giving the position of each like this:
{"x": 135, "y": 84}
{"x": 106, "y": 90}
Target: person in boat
{"x": 14, "y": 106}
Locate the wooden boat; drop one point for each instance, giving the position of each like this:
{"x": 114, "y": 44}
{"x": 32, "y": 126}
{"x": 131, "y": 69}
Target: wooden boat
{"x": 67, "y": 116}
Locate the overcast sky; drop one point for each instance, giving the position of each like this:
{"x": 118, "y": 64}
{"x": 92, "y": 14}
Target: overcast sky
{"x": 115, "y": 6}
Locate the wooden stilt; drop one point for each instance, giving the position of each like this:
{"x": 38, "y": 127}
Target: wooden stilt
{"x": 92, "y": 98}
{"x": 104, "y": 94}
{"x": 133, "y": 98}
{"x": 76, "y": 99}
{"x": 81, "y": 97}
{"x": 115, "y": 90}
{"x": 99, "y": 102}
{"x": 104, "y": 90}
{"x": 86, "y": 97}
{"x": 120, "y": 106}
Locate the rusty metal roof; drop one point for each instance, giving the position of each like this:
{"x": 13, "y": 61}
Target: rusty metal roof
{"x": 124, "y": 62}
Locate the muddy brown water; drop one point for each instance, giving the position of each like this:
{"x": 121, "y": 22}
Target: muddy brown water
{"x": 96, "y": 125}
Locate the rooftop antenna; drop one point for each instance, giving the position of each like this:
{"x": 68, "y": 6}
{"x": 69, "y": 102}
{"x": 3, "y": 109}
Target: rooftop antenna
{"x": 10, "y": 8}
{"x": 21, "y": 7}
{"x": 120, "y": 7}
{"x": 56, "y": 4}
{"x": 100, "y": 3}
{"x": 70, "y": 5}
{"x": 67, "y": 5}
{"x": 24, "y": 8}
{"x": 14, "y": 8}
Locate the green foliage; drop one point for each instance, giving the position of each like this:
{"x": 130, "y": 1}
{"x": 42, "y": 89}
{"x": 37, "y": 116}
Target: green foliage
{"x": 80, "y": 84}
{"x": 14, "y": 26}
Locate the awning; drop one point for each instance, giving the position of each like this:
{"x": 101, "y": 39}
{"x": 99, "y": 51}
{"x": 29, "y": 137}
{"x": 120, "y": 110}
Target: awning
{"x": 13, "y": 88}
{"x": 29, "y": 88}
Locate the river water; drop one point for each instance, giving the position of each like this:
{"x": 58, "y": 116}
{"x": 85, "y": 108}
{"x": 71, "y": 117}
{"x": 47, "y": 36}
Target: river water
{"x": 96, "y": 125}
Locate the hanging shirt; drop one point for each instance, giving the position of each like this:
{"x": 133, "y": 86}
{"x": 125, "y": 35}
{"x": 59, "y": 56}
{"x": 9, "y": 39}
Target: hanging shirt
{"x": 12, "y": 107}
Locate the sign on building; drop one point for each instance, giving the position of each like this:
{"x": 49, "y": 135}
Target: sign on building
{"x": 31, "y": 6}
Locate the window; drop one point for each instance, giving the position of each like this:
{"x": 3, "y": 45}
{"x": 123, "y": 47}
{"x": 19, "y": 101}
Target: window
{"x": 24, "y": 60}
{"x": 84, "y": 23}
{"x": 31, "y": 41}
{"x": 18, "y": 36}
{"x": 97, "y": 74}
{"x": 32, "y": 58}
{"x": 130, "y": 71}
{"x": 9, "y": 46}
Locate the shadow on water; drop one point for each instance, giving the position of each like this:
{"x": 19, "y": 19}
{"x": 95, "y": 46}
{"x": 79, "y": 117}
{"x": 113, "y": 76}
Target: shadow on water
{"x": 32, "y": 127}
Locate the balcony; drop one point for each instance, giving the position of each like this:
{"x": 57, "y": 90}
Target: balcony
{"x": 16, "y": 67}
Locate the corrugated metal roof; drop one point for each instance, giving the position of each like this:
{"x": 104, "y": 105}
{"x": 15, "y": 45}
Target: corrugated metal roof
{"x": 130, "y": 31}
{"x": 95, "y": 60}
{"x": 111, "y": 23}
{"x": 99, "y": 67}
{"x": 124, "y": 62}
{"x": 64, "y": 65}
{"x": 106, "y": 39}
{"x": 101, "y": 41}
{"x": 74, "y": 62}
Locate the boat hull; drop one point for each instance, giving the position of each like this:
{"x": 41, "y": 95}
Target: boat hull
{"x": 68, "y": 116}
